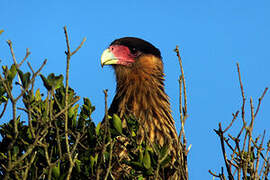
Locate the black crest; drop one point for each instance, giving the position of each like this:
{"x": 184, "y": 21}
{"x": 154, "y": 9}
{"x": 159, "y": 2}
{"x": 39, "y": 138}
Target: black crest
{"x": 139, "y": 44}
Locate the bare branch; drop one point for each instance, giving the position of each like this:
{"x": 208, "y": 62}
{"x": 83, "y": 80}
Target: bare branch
{"x": 25, "y": 57}
{"x": 68, "y": 54}
{"x": 12, "y": 52}
{"x": 79, "y": 47}
{"x": 234, "y": 117}
{"x": 260, "y": 100}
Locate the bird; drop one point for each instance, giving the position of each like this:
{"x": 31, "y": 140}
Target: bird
{"x": 138, "y": 68}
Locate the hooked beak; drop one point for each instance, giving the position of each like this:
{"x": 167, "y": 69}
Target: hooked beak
{"x": 108, "y": 58}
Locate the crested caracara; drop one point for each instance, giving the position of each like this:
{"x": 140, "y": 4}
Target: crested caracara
{"x": 140, "y": 91}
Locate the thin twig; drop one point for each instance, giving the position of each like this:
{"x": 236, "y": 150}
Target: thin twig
{"x": 183, "y": 77}
{"x": 12, "y": 52}
{"x": 25, "y": 57}
{"x": 258, "y": 155}
{"x": 260, "y": 100}
{"x": 110, "y": 161}
{"x": 109, "y": 135}
{"x": 106, "y": 131}
{"x": 33, "y": 157}
{"x": 84, "y": 39}
{"x": 66, "y": 108}
{"x": 68, "y": 56}
{"x": 183, "y": 116}
{"x": 234, "y": 117}
{"x": 4, "y": 109}
{"x": 221, "y": 137}
{"x": 243, "y": 94}
{"x": 32, "y": 79}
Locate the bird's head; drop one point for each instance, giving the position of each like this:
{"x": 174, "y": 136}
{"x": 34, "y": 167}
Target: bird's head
{"x": 129, "y": 52}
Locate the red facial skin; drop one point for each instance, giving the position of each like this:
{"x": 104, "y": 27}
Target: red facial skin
{"x": 123, "y": 54}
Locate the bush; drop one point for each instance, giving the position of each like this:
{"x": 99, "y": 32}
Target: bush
{"x": 58, "y": 139}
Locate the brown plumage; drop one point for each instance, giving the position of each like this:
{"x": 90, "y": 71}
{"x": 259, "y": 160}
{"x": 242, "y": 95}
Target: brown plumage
{"x": 140, "y": 90}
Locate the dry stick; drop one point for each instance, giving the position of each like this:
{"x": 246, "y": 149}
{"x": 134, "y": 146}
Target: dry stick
{"x": 14, "y": 58}
{"x": 260, "y": 100}
{"x": 183, "y": 77}
{"x": 243, "y": 97}
{"x": 12, "y": 52}
{"x": 244, "y": 122}
{"x": 184, "y": 116}
{"x": 32, "y": 92}
{"x": 106, "y": 129}
{"x": 220, "y": 133}
{"x": 250, "y": 128}
{"x": 32, "y": 89}
{"x": 182, "y": 131}
{"x": 8, "y": 90}
{"x": 214, "y": 174}
{"x": 33, "y": 157}
{"x": 266, "y": 159}
{"x": 248, "y": 136}
{"x": 66, "y": 103}
{"x": 234, "y": 117}
{"x": 68, "y": 54}
{"x": 66, "y": 108}
{"x": 110, "y": 161}
{"x": 258, "y": 155}
{"x": 228, "y": 144}
{"x": 10, "y": 94}
{"x": 26, "y": 56}
{"x": 4, "y": 109}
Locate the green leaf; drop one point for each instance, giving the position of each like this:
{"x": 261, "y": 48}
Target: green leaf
{"x": 29, "y": 135}
{"x": 87, "y": 102}
{"x": 52, "y": 81}
{"x": 37, "y": 95}
{"x": 11, "y": 73}
{"x": 74, "y": 115}
{"x": 146, "y": 160}
{"x": 98, "y": 128}
{"x": 3, "y": 99}
{"x": 56, "y": 170}
{"x": 2, "y": 155}
{"x": 88, "y": 106}
{"x": 25, "y": 78}
{"x": 45, "y": 82}
{"x": 4, "y": 68}
{"x": 55, "y": 81}
{"x": 165, "y": 162}
{"x": 16, "y": 150}
{"x": 164, "y": 151}
{"x": 133, "y": 134}
{"x": 78, "y": 165}
{"x": 141, "y": 156}
{"x": 117, "y": 123}
{"x": 20, "y": 73}
{"x": 93, "y": 161}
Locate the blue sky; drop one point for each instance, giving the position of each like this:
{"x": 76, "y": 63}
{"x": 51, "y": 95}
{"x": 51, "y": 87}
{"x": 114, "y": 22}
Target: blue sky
{"x": 212, "y": 35}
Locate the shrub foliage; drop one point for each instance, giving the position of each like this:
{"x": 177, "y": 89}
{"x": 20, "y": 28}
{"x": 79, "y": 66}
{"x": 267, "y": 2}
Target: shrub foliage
{"x": 54, "y": 137}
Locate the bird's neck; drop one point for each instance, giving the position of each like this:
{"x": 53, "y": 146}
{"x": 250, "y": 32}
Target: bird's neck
{"x": 140, "y": 91}
{"x": 142, "y": 94}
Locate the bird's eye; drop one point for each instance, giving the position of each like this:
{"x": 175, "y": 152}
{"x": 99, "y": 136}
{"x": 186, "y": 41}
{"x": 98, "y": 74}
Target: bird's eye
{"x": 133, "y": 51}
